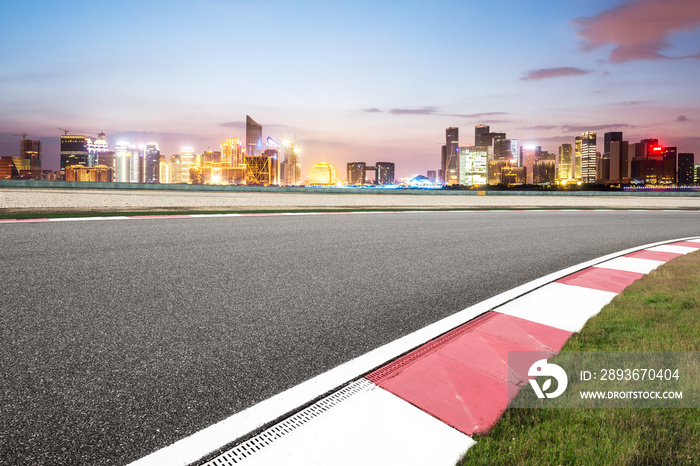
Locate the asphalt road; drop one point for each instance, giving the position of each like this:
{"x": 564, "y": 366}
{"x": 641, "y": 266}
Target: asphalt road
{"x": 121, "y": 337}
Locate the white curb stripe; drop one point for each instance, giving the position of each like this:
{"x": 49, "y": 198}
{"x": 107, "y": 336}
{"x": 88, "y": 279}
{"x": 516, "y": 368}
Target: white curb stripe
{"x": 373, "y": 426}
{"x": 559, "y": 305}
{"x": 631, "y": 264}
{"x": 673, "y": 249}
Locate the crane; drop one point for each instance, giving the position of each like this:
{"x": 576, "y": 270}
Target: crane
{"x": 65, "y": 131}
{"x": 24, "y": 135}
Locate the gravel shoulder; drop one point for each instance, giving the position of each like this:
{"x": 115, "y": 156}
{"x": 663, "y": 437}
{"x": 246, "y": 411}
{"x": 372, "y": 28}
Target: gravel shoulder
{"x": 37, "y": 200}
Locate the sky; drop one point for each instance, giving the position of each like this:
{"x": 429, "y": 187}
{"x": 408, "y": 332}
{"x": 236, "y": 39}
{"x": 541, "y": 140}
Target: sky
{"x": 372, "y": 81}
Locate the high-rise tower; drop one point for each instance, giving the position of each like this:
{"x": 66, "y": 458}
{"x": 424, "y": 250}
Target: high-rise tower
{"x": 450, "y": 156}
{"x": 253, "y": 137}
{"x": 588, "y": 157}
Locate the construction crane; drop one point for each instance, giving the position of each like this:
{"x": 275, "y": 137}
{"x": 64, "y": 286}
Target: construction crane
{"x": 65, "y": 131}
{"x": 24, "y": 135}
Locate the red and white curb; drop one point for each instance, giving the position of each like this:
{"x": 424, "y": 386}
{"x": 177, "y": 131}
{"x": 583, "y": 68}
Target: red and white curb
{"x": 422, "y": 407}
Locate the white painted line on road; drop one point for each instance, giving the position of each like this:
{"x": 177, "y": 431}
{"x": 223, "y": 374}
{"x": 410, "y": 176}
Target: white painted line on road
{"x": 202, "y": 443}
{"x": 631, "y": 264}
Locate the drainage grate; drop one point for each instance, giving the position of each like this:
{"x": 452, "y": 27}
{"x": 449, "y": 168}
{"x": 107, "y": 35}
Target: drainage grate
{"x": 392, "y": 369}
{"x": 268, "y": 436}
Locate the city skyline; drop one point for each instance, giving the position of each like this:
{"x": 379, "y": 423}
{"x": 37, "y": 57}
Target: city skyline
{"x": 361, "y": 81}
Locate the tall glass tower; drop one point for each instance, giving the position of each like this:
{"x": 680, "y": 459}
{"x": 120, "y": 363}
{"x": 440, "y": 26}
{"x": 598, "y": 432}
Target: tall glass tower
{"x": 253, "y": 137}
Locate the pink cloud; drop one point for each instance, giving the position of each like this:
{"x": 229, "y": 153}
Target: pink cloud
{"x": 547, "y": 73}
{"x": 638, "y": 30}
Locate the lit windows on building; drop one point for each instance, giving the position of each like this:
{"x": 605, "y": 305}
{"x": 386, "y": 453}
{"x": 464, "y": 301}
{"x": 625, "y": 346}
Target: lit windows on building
{"x": 473, "y": 162}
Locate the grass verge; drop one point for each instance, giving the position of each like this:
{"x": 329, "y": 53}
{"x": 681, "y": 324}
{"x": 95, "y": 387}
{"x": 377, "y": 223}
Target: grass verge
{"x": 660, "y": 312}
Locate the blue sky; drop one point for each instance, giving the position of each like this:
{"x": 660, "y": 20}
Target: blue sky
{"x": 354, "y": 81}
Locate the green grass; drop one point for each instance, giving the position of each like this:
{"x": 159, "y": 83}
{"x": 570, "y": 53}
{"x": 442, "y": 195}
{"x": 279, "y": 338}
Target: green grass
{"x": 660, "y": 312}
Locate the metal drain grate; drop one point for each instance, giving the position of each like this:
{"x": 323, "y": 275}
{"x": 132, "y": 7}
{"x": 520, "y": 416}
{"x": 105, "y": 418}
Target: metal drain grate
{"x": 268, "y": 436}
{"x": 390, "y": 370}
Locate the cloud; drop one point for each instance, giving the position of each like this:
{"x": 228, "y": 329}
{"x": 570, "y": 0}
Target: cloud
{"x": 413, "y": 111}
{"x": 547, "y": 73}
{"x": 682, "y": 118}
{"x": 581, "y": 129}
{"x": 233, "y": 124}
{"x": 540, "y": 127}
{"x": 638, "y": 30}
{"x": 475, "y": 115}
{"x": 371, "y": 110}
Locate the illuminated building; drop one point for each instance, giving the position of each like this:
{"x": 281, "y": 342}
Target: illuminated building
{"x": 528, "y": 156}
{"x": 356, "y": 173}
{"x": 432, "y": 175}
{"x": 136, "y": 162}
{"x": 151, "y": 162}
{"x": 232, "y": 152}
{"x": 696, "y": 174}
{"x": 291, "y": 172}
{"x": 163, "y": 170}
{"x": 73, "y": 151}
{"x": 10, "y": 167}
{"x": 98, "y": 173}
{"x": 544, "y": 171}
{"x": 511, "y": 175}
{"x": 274, "y": 157}
{"x": 473, "y": 165}
{"x": 495, "y": 171}
{"x": 564, "y": 171}
{"x": 322, "y": 173}
{"x": 122, "y": 156}
{"x": 30, "y": 153}
{"x": 588, "y": 157}
{"x": 187, "y": 158}
{"x": 505, "y": 149}
{"x": 210, "y": 156}
{"x": 450, "y": 156}
{"x": 577, "y": 158}
{"x": 385, "y": 173}
{"x": 95, "y": 148}
{"x": 685, "y": 169}
{"x": 175, "y": 169}
{"x": 652, "y": 163}
{"x": 253, "y": 137}
{"x": 195, "y": 174}
{"x": 258, "y": 171}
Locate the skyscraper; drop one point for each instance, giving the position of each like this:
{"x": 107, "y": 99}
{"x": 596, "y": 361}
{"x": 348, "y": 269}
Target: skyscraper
{"x": 73, "y": 152}
{"x": 588, "y": 157}
{"x": 30, "y": 153}
{"x": 473, "y": 165}
{"x": 187, "y": 159}
{"x": 450, "y": 156}
{"x": 253, "y": 137}
{"x": 565, "y": 163}
{"x": 479, "y": 130}
{"x": 95, "y": 148}
{"x": 686, "y": 161}
{"x": 605, "y": 162}
{"x": 385, "y": 172}
{"x": 356, "y": 173}
{"x": 152, "y": 163}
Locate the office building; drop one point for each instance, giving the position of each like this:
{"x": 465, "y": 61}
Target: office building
{"x": 253, "y": 138}
{"x": 151, "y": 163}
{"x": 432, "y": 175}
{"x": 686, "y": 161}
{"x": 384, "y": 173}
{"x": 589, "y": 173}
{"x": 356, "y": 173}
{"x": 565, "y": 165}
{"x": 608, "y": 138}
{"x": 619, "y": 163}
{"x": 74, "y": 151}
{"x": 473, "y": 162}
{"x": 528, "y": 156}
{"x": 187, "y": 159}
{"x": 450, "y": 156}
{"x": 30, "y": 153}
{"x": 96, "y": 147}
{"x": 98, "y": 173}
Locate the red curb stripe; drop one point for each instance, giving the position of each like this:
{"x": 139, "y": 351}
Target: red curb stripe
{"x": 686, "y": 244}
{"x": 653, "y": 255}
{"x": 464, "y": 383}
{"x": 395, "y": 367}
{"x": 602, "y": 279}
